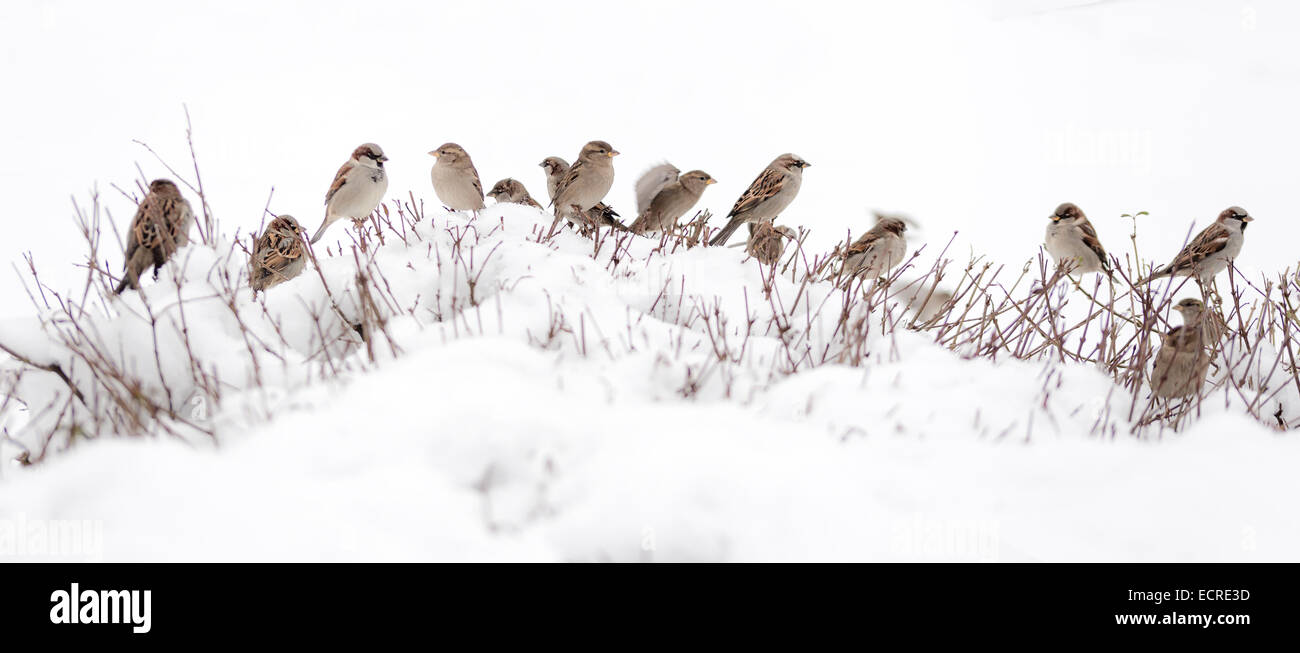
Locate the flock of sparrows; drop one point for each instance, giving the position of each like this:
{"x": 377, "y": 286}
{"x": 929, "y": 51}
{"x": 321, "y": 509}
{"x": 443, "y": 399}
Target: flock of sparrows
{"x": 663, "y": 195}
{"x": 1183, "y": 361}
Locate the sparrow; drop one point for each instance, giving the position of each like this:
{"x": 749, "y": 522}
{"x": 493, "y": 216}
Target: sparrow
{"x": 1182, "y": 362}
{"x": 358, "y": 187}
{"x": 651, "y": 182}
{"x": 1211, "y": 250}
{"x": 160, "y": 227}
{"x": 770, "y": 193}
{"x": 878, "y": 251}
{"x": 586, "y": 182}
{"x": 672, "y": 201}
{"x": 1072, "y": 241}
{"x": 455, "y": 180}
{"x": 512, "y": 191}
{"x": 277, "y": 254}
{"x": 767, "y": 242}
{"x": 554, "y": 167}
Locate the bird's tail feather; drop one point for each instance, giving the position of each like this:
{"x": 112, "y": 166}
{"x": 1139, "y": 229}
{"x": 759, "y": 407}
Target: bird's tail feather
{"x": 721, "y": 238}
{"x": 321, "y": 232}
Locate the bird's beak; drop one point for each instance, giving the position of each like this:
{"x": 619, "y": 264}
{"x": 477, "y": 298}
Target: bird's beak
{"x": 805, "y": 164}
{"x": 434, "y": 154}
{"x": 711, "y": 181}
{"x": 1055, "y": 218}
{"x": 1247, "y": 219}
{"x": 613, "y": 153}
{"x": 383, "y": 158}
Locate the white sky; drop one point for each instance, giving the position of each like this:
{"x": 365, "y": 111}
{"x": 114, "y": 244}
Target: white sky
{"x": 974, "y": 116}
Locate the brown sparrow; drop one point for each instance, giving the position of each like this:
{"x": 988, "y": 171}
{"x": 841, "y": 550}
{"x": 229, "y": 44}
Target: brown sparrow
{"x": 1182, "y": 362}
{"x": 277, "y": 255}
{"x": 672, "y": 202}
{"x": 878, "y": 251}
{"x": 651, "y": 182}
{"x": 555, "y": 168}
{"x": 455, "y": 180}
{"x": 1210, "y": 252}
{"x": 767, "y": 242}
{"x": 160, "y": 227}
{"x": 767, "y": 197}
{"x": 513, "y": 192}
{"x": 1072, "y": 241}
{"x": 586, "y": 182}
{"x": 358, "y": 187}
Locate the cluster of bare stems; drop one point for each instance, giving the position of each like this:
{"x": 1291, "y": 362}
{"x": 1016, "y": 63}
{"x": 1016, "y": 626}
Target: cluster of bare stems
{"x": 808, "y": 311}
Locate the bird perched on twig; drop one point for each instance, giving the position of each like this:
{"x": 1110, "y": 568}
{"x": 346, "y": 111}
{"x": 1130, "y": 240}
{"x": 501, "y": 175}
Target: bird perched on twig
{"x": 278, "y": 254}
{"x": 1183, "y": 361}
{"x": 1210, "y": 251}
{"x": 1072, "y": 241}
{"x": 512, "y": 191}
{"x": 358, "y": 187}
{"x": 767, "y": 197}
{"x": 651, "y": 182}
{"x": 767, "y": 242}
{"x": 586, "y": 182}
{"x": 877, "y": 251}
{"x": 555, "y": 169}
{"x": 671, "y": 201}
{"x": 160, "y": 227}
{"x": 455, "y": 180}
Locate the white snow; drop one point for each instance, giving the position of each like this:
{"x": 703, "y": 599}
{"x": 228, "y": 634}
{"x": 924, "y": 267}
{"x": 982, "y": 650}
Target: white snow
{"x": 576, "y": 408}
{"x": 487, "y": 440}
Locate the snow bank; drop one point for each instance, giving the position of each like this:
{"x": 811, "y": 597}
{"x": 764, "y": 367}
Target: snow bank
{"x": 565, "y": 400}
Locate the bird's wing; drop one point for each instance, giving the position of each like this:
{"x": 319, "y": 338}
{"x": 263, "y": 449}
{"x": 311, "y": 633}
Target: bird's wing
{"x": 1209, "y": 242}
{"x": 1093, "y": 243}
{"x": 865, "y": 242}
{"x": 569, "y": 177}
{"x": 280, "y": 247}
{"x": 653, "y": 181}
{"x": 150, "y": 227}
{"x": 768, "y": 184}
{"x": 478, "y": 185}
{"x": 340, "y": 178}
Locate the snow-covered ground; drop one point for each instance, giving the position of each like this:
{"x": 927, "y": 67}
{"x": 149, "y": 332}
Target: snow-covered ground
{"x": 576, "y": 408}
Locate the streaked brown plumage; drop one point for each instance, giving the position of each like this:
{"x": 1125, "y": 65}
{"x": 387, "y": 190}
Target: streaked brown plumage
{"x": 278, "y": 254}
{"x": 1211, "y": 250}
{"x": 877, "y": 251}
{"x": 512, "y": 191}
{"x": 1183, "y": 360}
{"x": 1072, "y": 241}
{"x": 358, "y": 187}
{"x": 556, "y": 169}
{"x": 767, "y": 242}
{"x": 160, "y": 227}
{"x": 586, "y": 182}
{"x": 603, "y": 215}
{"x": 767, "y": 196}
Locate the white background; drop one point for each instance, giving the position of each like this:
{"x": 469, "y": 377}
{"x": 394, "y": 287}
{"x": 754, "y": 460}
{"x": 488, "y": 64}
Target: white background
{"x": 972, "y": 116}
